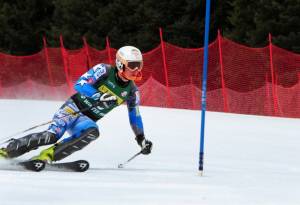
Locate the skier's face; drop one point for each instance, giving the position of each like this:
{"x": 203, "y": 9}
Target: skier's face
{"x": 133, "y": 71}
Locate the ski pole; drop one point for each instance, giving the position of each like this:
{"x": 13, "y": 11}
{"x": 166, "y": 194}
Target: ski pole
{"x": 131, "y": 158}
{"x": 7, "y": 139}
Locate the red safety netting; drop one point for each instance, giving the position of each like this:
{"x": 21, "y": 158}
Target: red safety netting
{"x": 259, "y": 81}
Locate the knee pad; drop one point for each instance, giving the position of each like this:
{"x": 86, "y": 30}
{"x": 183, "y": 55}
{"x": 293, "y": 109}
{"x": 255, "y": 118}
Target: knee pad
{"x": 82, "y": 124}
{"x": 64, "y": 149}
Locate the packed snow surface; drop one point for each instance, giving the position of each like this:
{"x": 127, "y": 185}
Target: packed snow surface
{"x": 249, "y": 160}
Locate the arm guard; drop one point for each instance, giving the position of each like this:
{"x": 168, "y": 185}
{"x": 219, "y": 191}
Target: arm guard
{"x": 135, "y": 118}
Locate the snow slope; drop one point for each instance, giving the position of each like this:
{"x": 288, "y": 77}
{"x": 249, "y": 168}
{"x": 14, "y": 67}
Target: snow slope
{"x": 248, "y": 160}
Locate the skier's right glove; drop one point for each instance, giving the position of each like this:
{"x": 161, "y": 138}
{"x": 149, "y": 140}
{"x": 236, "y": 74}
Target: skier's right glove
{"x": 105, "y": 100}
{"x": 145, "y": 144}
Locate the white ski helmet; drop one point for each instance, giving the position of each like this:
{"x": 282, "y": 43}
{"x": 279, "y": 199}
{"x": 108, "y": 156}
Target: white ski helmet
{"x": 129, "y": 62}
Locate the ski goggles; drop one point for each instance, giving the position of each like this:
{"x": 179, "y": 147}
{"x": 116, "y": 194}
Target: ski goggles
{"x": 134, "y": 65}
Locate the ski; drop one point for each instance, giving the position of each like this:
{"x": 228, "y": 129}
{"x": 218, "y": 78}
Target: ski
{"x": 33, "y": 165}
{"x": 39, "y": 165}
{"x": 75, "y": 166}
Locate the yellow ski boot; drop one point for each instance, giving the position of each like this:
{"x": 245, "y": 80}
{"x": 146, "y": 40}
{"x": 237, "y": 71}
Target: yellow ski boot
{"x": 46, "y": 155}
{"x": 3, "y": 153}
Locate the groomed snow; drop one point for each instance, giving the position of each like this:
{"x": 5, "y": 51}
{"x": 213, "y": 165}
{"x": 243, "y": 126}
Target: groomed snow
{"x": 249, "y": 160}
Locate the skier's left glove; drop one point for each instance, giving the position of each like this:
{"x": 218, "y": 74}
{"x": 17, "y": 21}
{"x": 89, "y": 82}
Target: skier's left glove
{"x": 145, "y": 144}
{"x": 105, "y": 99}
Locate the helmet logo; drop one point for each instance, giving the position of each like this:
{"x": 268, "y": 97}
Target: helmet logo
{"x": 135, "y": 53}
{"x": 119, "y": 64}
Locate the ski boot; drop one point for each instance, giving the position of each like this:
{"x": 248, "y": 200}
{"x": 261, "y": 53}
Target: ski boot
{"x": 3, "y": 153}
{"x": 65, "y": 148}
{"x": 46, "y": 155}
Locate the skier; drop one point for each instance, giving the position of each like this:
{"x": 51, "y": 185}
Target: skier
{"x": 99, "y": 90}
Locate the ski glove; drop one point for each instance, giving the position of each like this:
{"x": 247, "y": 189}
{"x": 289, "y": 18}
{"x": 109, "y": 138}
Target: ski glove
{"x": 145, "y": 144}
{"x": 105, "y": 100}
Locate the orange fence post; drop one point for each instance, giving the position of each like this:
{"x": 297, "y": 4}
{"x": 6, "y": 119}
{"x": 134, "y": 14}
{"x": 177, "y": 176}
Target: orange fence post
{"x": 86, "y": 49}
{"x": 272, "y": 76}
{"x": 165, "y": 67}
{"x": 108, "y": 50}
{"x": 48, "y": 65}
{"x": 279, "y": 111}
{"x": 222, "y": 73}
{"x": 65, "y": 61}
{"x": 1, "y": 91}
{"x": 1, "y": 88}
{"x": 267, "y": 94}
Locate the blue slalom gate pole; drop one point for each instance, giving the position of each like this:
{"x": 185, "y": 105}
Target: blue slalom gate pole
{"x": 204, "y": 83}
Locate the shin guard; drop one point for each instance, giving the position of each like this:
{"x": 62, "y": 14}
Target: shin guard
{"x": 64, "y": 149}
{"x": 17, "y": 147}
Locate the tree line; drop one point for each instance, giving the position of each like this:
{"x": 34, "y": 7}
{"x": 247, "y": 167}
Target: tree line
{"x": 23, "y": 23}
